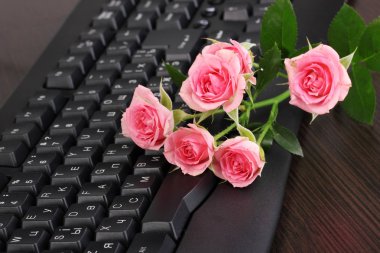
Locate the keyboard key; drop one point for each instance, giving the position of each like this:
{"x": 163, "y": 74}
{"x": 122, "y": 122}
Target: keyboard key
{"x": 108, "y": 19}
{"x": 179, "y": 45}
{"x": 125, "y": 48}
{"x": 28, "y": 240}
{"x": 31, "y": 182}
{"x": 42, "y": 162}
{"x": 167, "y": 84}
{"x": 253, "y": 25}
{"x": 8, "y": 223}
{"x": 254, "y": 39}
{"x": 105, "y": 247}
{"x": 154, "y": 56}
{"x": 106, "y": 119}
{"x": 52, "y": 98}
{"x": 110, "y": 172}
{"x": 121, "y": 229}
{"x": 94, "y": 93}
{"x": 111, "y": 62}
{"x": 75, "y": 239}
{"x": 172, "y": 21}
{"x": 209, "y": 12}
{"x": 115, "y": 102}
{"x": 119, "y": 138}
{"x": 82, "y": 109}
{"x": 72, "y": 126}
{"x": 12, "y": 153}
{"x": 183, "y": 66}
{"x": 55, "y": 143}
{"x": 29, "y": 133}
{"x": 202, "y": 24}
{"x": 64, "y": 78}
{"x": 195, "y": 2}
{"x": 56, "y": 195}
{"x": 84, "y": 62}
{"x": 86, "y": 155}
{"x": 92, "y": 47}
{"x": 223, "y": 35}
{"x": 140, "y": 184}
{"x": 142, "y": 20}
{"x": 88, "y": 215}
{"x": 154, "y": 242}
{"x": 102, "y": 193}
{"x": 42, "y": 116}
{"x": 133, "y": 206}
{"x": 151, "y": 164}
{"x": 16, "y": 203}
{"x": 131, "y": 35}
{"x": 95, "y": 137}
{"x": 104, "y": 35}
{"x": 156, "y": 6}
{"x": 126, "y": 153}
{"x": 101, "y": 77}
{"x": 71, "y": 174}
{"x": 237, "y": 12}
{"x": 141, "y": 71}
{"x": 186, "y": 8}
{"x": 126, "y": 86}
{"x": 172, "y": 217}
{"x": 259, "y": 10}
{"x": 47, "y": 218}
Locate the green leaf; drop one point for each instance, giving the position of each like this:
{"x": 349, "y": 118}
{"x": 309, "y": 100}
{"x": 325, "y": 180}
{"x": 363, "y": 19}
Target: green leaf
{"x": 270, "y": 65}
{"x": 234, "y": 115}
{"x": 286, "y": 139}
{"x": 346, "y": 30}
{"x": 369, "y": 46}
{"x": 165, "y": 99}
{"x": 279, "y": 27}
{"x": 180, "y": 116}
{"x": 177, "y": 76}
{"x": 346, "y": 61}
{"x": 360, "y": 102}
{"x": 246, "y": 133}
{"x": 247, "y": 45}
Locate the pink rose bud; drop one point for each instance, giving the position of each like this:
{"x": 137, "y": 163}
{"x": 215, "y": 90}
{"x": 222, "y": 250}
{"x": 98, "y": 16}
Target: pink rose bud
{"x": 317, "y": 80}
{"x": 146, "y": 121}
{"x": 238, "y": 161}
{"x": 190, "y": 148}
{"x": 216, "y": 78}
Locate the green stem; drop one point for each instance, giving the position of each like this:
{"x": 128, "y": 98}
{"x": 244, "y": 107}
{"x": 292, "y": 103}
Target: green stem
{"x": 224, "y": 132}
{"x": 282, "y": 75}
{"x": 269, "y": 123}
{"x": 278, "y": 99}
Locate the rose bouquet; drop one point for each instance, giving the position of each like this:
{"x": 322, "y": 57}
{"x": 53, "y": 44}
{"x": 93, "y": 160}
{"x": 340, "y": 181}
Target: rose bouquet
{"x": 225, "y": 78}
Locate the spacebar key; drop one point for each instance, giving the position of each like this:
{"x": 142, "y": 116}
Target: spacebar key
{"x": 177, "y": 198}
{"x": 179, "y": 45}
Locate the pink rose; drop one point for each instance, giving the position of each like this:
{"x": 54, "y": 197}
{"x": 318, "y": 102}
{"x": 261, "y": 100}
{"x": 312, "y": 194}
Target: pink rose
{"x": 244, "y": 55}
{"x": 317, "y": 80}
{"x": 146, "y": 121}
{"x": 238, "y": 161}
{"x": 190, "y": 148}
{"x": 215, "y": 79}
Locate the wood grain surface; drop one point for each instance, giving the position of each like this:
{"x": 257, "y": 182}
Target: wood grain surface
{"x": 332, "y": 201}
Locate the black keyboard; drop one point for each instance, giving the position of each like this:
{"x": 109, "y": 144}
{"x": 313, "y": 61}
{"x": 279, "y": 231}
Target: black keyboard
{"x": 72, "y": 183}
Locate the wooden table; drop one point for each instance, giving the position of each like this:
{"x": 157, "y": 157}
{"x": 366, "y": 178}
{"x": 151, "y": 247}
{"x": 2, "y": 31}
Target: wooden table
{"x": 332, "y": 201}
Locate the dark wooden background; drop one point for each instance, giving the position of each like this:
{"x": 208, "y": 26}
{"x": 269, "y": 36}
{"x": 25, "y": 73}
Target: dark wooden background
{"x": 332, "y": 201}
